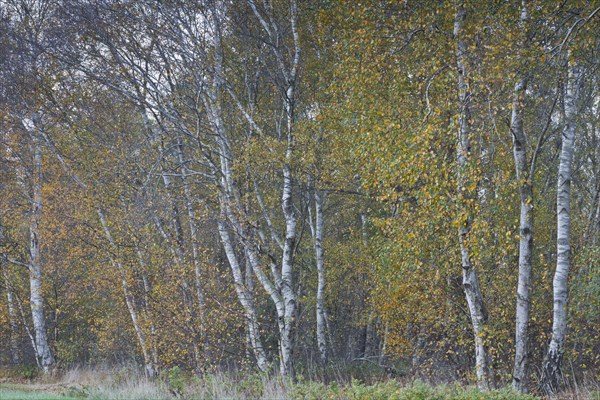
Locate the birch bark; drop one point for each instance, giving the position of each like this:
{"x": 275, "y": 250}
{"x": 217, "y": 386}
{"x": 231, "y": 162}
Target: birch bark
{"x": 43, "y": 352}
{"x": 477, "y": 309}
{"x": 244, "y": 297}
{"x": 525, "y": 183}
{"x": 279, "y": 286}
{"x": 524, "y": 169}
{"x": 551, "y": 369}
{"x": 320, "y": 261}
{"x": 284, "y": 294}
{"x": 228, "y": 196}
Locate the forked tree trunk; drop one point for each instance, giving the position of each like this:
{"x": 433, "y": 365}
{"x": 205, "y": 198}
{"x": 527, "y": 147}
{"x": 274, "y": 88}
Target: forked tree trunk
{"x": 227, "y": 198}
{"x": 284, "y": 294}
{"x": 551, "y": 368}
{"x": 477, "y": 309}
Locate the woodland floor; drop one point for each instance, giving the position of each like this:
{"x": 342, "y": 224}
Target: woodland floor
{"x": 127, "y": 385}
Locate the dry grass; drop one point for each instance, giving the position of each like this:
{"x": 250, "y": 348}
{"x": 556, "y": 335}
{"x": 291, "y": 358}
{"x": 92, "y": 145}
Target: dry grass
{"x": 129, "y": 383}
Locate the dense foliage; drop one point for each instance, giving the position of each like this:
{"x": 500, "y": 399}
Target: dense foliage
{"x": 214, "y": 185}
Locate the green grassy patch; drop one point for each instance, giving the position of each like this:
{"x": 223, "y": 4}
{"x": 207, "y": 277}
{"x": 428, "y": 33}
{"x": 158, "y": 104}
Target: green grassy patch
{"x": 31, "y": 392}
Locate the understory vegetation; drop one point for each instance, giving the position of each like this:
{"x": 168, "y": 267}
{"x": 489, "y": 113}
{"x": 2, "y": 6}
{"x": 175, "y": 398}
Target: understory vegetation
{"x": 130, "y": 383}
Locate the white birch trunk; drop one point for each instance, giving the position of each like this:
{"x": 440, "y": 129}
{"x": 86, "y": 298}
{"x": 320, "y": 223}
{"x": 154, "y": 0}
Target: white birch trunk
{"x": 524, "y": 169}
{"x": 229, "y": 198}
{"x": 525, "y": 237}
{"x": 244, "y": 297}
{"x": 280, "y": 286}
{"x": 320, "y": 261}
{"x": 551, "y": 369}
{"x": 288, "y": 292}
{"x": 370, "y": 330}
{"x": 43, "y": 353}
{"x": 287, "y": 289}
{"x": 477, "y": 309}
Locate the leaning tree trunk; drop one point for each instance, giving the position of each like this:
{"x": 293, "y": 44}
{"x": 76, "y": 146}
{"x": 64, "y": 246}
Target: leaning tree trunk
{"x": 244, "y": 296}
{"x": 228, "y": 196}
{"x": 551, "y": 369}
{"x": 149, "y": 366}
{"x": 477, "y": 308}
{"x": 43, "y": 352}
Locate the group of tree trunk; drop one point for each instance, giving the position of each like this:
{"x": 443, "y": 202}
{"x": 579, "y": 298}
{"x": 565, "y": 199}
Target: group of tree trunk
{"x": 185, "y": 176}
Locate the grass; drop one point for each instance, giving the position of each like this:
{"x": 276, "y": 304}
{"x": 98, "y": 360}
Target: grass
{"x": 8, "y": 393}
{"x": 128, "y": 383}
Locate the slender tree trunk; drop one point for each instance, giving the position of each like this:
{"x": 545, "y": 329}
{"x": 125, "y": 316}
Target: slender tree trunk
{"x": 288, "y": 290}
{"x": 227, "y": 198}
{"x": 287, "y": 261}
{"x": 146, "y": 310}
{"x": 525, "y": 182}
{"x": 551, "y": 369}
{"x": 43, "y": 352}
{"x": 193, "y": 230}
{"x": 524, "y": 169}
{"x": 370, "y": 330}
{"x": 30, "y": 334}
{"x": 229, "y": 202}
{"x": 15, "y": 356}
{"x": 129, "y": 300}
{"x": 383, "y": 345}
{"x": 244, "y": 297}
{"x": 320, "y": 261}
{"x": 477, "y": 308}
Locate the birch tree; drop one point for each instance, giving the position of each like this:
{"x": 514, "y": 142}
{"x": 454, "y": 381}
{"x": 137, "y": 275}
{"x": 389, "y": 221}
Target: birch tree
{"x": 29, "y": 31}
{"x": 477, "y": 309}
{"x": 279, "y": 284}
{"x": 524, "y": 172}
{"x": 46, "y": 359}
{"x": 316, "y": 227}
{"x": 551, "y": 369}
